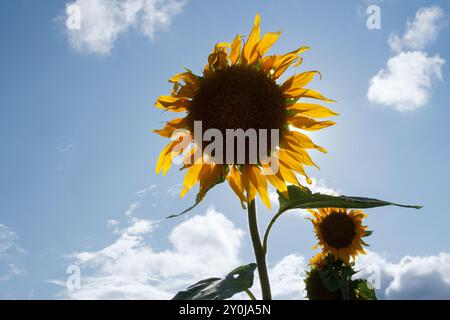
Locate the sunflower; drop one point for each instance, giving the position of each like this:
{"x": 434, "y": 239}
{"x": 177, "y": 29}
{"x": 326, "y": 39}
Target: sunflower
{"x": 340, "y": 232}
{"x": 239, "y": 89}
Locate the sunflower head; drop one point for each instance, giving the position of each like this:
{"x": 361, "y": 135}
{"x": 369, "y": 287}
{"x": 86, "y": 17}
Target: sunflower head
{"x": 239, "y": 91}
{"x": 340, "y": 232}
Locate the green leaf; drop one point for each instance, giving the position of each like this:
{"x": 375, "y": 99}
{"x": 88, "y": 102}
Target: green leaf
{"x": 199, "y": 198}
{"x": 330, "y": 279}
{"x": 303, "y": 198}
{"x": 364, "y": 290}
{"x": 238, "y": 280}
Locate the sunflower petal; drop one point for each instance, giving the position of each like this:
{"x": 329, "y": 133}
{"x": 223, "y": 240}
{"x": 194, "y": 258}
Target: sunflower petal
{"x": 309, "y": 124}
{"x": 172, "y": 103}
{"x": 249, "y": 52}
{"x": 191, "y": 178}
{"x": 171, "y": 126}
{"x": 236, "y": 47}
{"x": 298, "y": 81}
{"x": 276, "y": 179}
{"x": 312, "y": 110}
{"x": 260, "y": 182}
{"x": 267, "y": 41}
{"x": 306, "y": 93}
{"x": 188, "y": 77}
{"x": 234, "y": 180}
{"x": 249, "y": 187}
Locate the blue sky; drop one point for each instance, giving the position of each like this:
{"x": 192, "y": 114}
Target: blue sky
{"x": 76, "y": 114}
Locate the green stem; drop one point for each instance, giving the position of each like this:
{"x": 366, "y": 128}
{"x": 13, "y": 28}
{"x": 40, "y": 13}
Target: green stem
{"x": 269, "y": 227}
{"x": 260, "y": 254}
{"x": 250, "y": 294}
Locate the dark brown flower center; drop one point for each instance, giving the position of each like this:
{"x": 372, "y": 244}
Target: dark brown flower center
{"x": 238, "y": 97}
{"x": 338, "y": 230}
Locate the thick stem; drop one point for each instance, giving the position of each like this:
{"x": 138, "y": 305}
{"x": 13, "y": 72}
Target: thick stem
{"x": 260, "y": 254}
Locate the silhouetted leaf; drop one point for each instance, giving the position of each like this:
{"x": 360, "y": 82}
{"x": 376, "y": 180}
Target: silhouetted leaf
{"x": 238, "y": 280}
{"x": 303, "y": 198}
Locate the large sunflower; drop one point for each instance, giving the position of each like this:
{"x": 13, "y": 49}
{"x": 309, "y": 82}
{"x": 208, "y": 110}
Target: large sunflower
{"x": 340, "y": 232}
{"x": 239, "y": 90}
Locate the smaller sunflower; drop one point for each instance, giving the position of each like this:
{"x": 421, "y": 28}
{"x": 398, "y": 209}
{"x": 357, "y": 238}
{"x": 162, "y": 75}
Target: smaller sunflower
{"x": 340, "y": 232}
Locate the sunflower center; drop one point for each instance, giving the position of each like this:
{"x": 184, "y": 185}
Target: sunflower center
{"x": 338, "y": 230}
{"x": 238, "y": 97}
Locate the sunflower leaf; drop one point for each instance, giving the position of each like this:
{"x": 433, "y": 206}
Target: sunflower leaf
{"x": 238, "y": 280}
{"x": 330, "y": 279}
{"x": 303, "y": 198}
{"x": 364, "y": 290}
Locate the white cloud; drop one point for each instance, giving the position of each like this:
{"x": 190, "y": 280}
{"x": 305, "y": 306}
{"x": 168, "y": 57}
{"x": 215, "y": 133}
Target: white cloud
{"x": 407, "y": 82}
{"x": 10, "y": 250}
{"x": 287, "y": 278}
{"x": 422, "y": 31}
{"x": 174, "y": 191}
{"x": 140, "y": 195}
{"x": 201, "y": 247}
{"x": 102, "y": 21}
{"x": 426, "y": 277}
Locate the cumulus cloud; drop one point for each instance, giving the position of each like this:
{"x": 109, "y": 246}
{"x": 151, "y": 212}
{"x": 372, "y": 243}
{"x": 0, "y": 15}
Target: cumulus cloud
{"x": 407, "y": 81}
{"x": 426, "y": 277}
{"x": 287, "y": 278}
{"x": 93, "y": 26}
{"x": 10, "y": 250}
{"x": 422, "y": 31}
{"x": 201, "y": 247}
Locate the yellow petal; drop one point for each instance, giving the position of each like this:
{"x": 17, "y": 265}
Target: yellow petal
{"x": 280, "y": 63}
{"x": 249, "y": 187}
{"x": 173, "y": 149}
{"x": 236, "y": 47}
{"x": 260, "y": 182}
{"x": 218, "y": 59}
{"x": 292, "y": 163}
{"x": 276, "y": 179}
{"x": 162, "y": 156}
{"x": 301, "y": 140}
{"x": 312, "y": 110}
{"x": 306, "y": 93}
{"x": 188, "y": 77}
{"x": 210, "y": 176}
{"x": 309, "y": 124}
{"x": 302, "y": 156}
{"x": 298, "y": 81}
{"x": 234, "y": 180}
{"x": 172, "y": 103}
{"x": 267, "y": 41}
{"x": 191, "y": 178}
{"x": 180, "y": 91}
{"x": 250, "y": 54}
{"x": 171, "y": 126}
{"x": 288, "y": 175}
